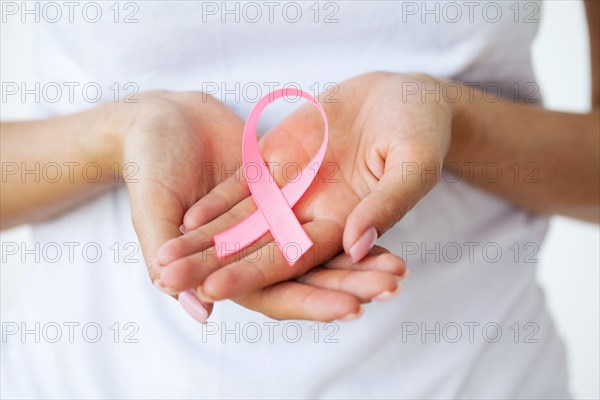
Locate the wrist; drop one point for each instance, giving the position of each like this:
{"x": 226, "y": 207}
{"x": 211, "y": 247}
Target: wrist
{"x": 106, "y": 127}
{"x": 462, "y": 121}
{"x": 453, "y": 98}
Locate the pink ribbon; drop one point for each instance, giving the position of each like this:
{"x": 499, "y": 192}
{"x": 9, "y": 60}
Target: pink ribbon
{"x": 274, "y": 205}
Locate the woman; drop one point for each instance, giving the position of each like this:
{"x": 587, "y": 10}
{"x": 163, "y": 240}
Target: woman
{"x": 470, "y": 323}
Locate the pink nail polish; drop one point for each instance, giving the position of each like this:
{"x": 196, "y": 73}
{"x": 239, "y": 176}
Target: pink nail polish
{"x": 404, "y": 276}
{"x": 363, "y": 245}
{"x": 192, "y": 305}
{"x": 352, "y": 316}
{"x": 383, "y": 296}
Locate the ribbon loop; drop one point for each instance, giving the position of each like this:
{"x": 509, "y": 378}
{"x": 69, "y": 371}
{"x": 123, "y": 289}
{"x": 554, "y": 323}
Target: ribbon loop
{"x": 274, "y": 204}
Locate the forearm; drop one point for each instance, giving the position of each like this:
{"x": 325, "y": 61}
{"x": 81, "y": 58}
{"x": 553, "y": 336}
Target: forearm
{"x": 53, "y": 164}
{"x": 549, "y": 161}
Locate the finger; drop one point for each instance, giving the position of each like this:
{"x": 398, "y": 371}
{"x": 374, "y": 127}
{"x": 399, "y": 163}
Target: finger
{"x": 155, "y": 218}
{"x": 192, "y": 242}
{"x": 366, "y": 285}
{"x": 378, "y": 259}
{"x": 395, "y": 194}
{"x": 192, "y": 270}
{"x": 365, "y": 279}
{"x": 200, "y": 239}
{"x": 218, "y": 201}
{"x": 267, "y": 265}
{"x": 294, "y": 300}
{"x": 189, "y": 272}
{"x": 197, "y": 309}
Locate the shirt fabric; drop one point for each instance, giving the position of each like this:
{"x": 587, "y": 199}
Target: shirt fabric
{"x": 471, "y": 320}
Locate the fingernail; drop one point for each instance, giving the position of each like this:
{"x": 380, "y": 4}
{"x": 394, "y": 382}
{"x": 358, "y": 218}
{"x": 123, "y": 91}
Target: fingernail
{"x": 164, "y": 288}
{"x": 182, "y": 229}
{"x": 352, "y": 316}
{"x": 363, "y": 245}
{"x": 192, "y": 305}
{"x": 404, "y": 276}
{"x": 203, "y": 296}
{"x": 383, "y": 296}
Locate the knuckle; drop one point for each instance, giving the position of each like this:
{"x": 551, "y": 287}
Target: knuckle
{"x": 175, "y": 246}
{"x": 396, "y": 211}
{"x": 153, "y": 274}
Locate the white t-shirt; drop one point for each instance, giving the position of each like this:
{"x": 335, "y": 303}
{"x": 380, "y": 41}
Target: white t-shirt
{"x": 470, "y": 321}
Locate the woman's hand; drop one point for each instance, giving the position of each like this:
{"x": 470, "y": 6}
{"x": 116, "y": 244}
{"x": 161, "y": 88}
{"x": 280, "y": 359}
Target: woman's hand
{"x": 181, "y": 144}
{"x": 381, "y": 144}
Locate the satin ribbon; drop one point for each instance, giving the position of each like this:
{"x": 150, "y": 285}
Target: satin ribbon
{"x": 274, "y": 204}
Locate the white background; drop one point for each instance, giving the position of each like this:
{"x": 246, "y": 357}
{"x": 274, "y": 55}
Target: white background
{"x": 570, "y": 258}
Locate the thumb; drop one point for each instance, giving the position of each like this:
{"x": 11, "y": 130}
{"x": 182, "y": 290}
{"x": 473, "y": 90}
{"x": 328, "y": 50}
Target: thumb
{"x": 398, "y": 190}
{"x": 156, "y": 218}
{"x": 196, "y": 308}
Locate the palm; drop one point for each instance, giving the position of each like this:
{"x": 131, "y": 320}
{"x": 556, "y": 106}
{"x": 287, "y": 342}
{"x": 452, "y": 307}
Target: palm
{"x": 174, "y": 147}
{"x": 372, "y": 133}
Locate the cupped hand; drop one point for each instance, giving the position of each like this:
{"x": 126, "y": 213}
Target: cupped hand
{"x": 181, "y": 145}
{"x": 367, "y": 182}
{"x": 178, "y": 143}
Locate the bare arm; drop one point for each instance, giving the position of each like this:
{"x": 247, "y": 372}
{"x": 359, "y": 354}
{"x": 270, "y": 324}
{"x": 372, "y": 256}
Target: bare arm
{"x": 51, "y": 165}
{"x": 169, "y": 137}
{"x": 555, "y": 154}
